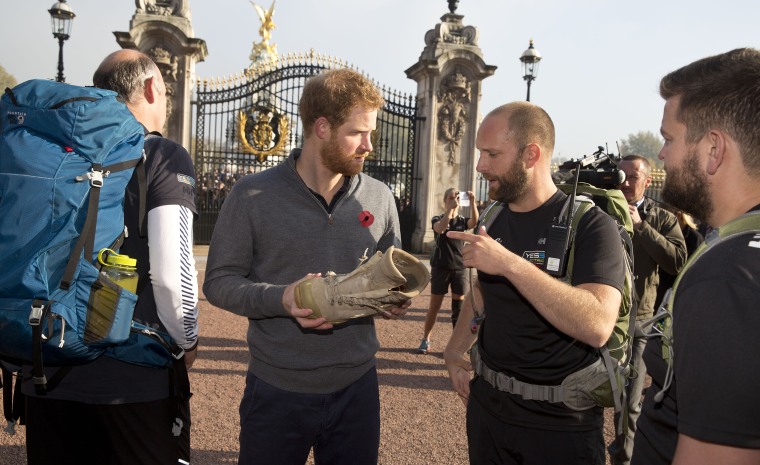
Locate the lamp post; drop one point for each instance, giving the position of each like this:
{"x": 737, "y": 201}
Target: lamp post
{"x": 61, "y": 18}
{"x": 530, "y": 59}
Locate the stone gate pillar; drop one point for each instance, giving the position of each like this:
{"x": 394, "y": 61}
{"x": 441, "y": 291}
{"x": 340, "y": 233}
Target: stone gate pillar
{"x": 449, "y": 75}
{"x": 163, "y": 30}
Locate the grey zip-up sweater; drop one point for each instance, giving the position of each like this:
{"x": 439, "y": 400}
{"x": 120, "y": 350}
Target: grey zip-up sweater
{"x": 271, "y": 232}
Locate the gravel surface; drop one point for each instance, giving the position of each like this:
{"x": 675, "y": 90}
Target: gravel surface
{"x": 422, "y": 418}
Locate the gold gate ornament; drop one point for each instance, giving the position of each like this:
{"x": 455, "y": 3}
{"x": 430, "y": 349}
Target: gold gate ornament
{"x": 263, "y": 132}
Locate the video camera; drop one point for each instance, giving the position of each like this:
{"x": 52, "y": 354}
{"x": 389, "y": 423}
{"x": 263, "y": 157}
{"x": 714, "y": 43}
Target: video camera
{"x": 599, "y": 169}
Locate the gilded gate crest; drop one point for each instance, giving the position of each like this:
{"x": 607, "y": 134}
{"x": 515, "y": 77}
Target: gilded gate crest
{"x": 263, "y": 131}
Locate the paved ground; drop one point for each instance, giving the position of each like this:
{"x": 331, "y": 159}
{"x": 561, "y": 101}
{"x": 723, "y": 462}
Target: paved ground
{"x": 422, "y": 418}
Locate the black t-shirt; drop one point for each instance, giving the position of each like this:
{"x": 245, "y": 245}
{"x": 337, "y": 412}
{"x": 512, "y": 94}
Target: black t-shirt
{"x": 451, "y": 249}
{"x": 517, "y": 340}
{"x": 171, "y": 181}
{"x": 713, "y": 397}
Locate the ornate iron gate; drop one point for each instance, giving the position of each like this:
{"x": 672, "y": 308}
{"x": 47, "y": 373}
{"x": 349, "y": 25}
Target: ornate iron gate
{"x": 249, "y": 123}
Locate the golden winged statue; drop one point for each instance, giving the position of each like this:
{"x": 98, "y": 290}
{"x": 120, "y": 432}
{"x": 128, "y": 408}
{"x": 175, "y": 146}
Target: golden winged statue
{"x": 267, "y": 23}
{"x": 264, "y": 51}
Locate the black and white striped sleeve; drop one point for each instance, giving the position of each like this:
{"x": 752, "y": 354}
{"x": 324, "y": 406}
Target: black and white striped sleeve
{"x": 173, "y": 273}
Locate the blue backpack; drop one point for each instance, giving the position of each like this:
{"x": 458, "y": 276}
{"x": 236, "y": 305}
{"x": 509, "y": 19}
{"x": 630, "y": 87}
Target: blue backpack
{"x": 66, "y": 156}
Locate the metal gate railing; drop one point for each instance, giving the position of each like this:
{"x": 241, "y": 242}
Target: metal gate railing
{"x": 247, "y": 123}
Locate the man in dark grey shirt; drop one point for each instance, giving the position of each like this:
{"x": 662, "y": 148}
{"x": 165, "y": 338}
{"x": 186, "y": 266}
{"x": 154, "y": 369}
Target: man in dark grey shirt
{"x": 315, "y": 383}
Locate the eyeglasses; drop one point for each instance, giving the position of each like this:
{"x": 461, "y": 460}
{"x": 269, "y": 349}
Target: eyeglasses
{"x": 454, "y": 195}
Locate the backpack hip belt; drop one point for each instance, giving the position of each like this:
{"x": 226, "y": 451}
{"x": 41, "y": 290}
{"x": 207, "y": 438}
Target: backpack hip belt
{"x": 506, "y": 383}
{"x": 576, "y": 390}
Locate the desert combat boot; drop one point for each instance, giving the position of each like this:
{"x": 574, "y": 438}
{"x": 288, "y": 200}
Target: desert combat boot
{"x": 384, "y": 281}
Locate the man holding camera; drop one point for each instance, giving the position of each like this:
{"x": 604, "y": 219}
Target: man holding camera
{"x": 658, "y": 244}
{"x": 446, "y": 268}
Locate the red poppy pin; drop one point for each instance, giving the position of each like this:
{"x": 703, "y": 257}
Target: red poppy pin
{"x": 366, "y": 218}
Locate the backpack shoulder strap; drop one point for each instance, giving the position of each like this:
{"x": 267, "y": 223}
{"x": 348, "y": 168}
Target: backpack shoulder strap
{"x": 749, "y": 222}
{"x": 489, "y": 215}
{"x": 142, "y": 183}
{"x": 582, "y": 205}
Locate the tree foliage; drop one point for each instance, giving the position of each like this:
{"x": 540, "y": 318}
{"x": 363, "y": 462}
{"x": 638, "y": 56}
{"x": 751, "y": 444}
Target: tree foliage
{"x": 644, "y": 143}
{"x": 6, "y": 80}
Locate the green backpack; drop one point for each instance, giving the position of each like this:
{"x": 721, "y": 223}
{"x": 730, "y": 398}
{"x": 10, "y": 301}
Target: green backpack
{"x": 602, "y": 383}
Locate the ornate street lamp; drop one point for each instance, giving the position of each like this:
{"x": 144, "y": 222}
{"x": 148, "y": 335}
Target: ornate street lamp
{"x": 61, "y": 18}
{"x": 530, "y": 59}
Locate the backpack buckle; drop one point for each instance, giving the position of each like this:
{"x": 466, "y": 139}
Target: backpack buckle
{"x": 178, "y": 352}
{"x": 35, "y": 316}
{"x": 95, "y": 177}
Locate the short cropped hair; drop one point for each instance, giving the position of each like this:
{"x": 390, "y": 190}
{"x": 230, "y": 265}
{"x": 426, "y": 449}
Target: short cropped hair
{"x": 721, "y": 92}
{"x": 528, "y": 124}
{"x": 333, "y": 94}
{"x": 126, "y": 77}
{"x": 644, "y": 162}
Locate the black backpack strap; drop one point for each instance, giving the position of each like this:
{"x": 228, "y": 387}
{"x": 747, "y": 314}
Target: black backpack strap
{"x": 488, "y": 216}
{"x": 142, "y": 186}
{"x": 6, "y": 382}
{"x": 180, "y": 387}
{"x": 39, "y": 309}
{"x": 86, "y": 241}
{"x": 486, "y": 219}
{"x": 11, "y": 96}
{"x": 139, "y": 166}
{"x": 142, "y": 183}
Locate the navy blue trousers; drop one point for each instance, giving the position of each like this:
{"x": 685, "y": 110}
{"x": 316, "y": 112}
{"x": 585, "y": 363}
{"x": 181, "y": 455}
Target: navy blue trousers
{"x": 281, "y": 427}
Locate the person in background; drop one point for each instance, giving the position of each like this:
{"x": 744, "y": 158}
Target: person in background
{"x": 693, "y": 239}
{"x": 658, "y": 246}
{"x": 705, "y": 407}
{"x": 447, "y": 268}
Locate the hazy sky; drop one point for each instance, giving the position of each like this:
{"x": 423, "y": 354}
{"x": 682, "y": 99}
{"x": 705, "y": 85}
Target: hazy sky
{"x": 602, "y": 59}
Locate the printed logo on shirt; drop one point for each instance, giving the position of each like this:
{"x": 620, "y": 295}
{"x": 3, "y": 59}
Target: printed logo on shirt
{"x": 536, "y": 257}
{"x": 755, "y": 242}
{"x": 185, "y": 179}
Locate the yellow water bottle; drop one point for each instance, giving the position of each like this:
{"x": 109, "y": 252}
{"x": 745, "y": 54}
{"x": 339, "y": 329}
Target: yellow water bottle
{"x": 121, "y": 269}
{"x": 101, "y": 309}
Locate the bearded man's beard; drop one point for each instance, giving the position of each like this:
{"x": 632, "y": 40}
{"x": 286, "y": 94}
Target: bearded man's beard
{"x": 686, "y": 188}
{"x": 337, "y": 160}
{"x": 512, "y": 185}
